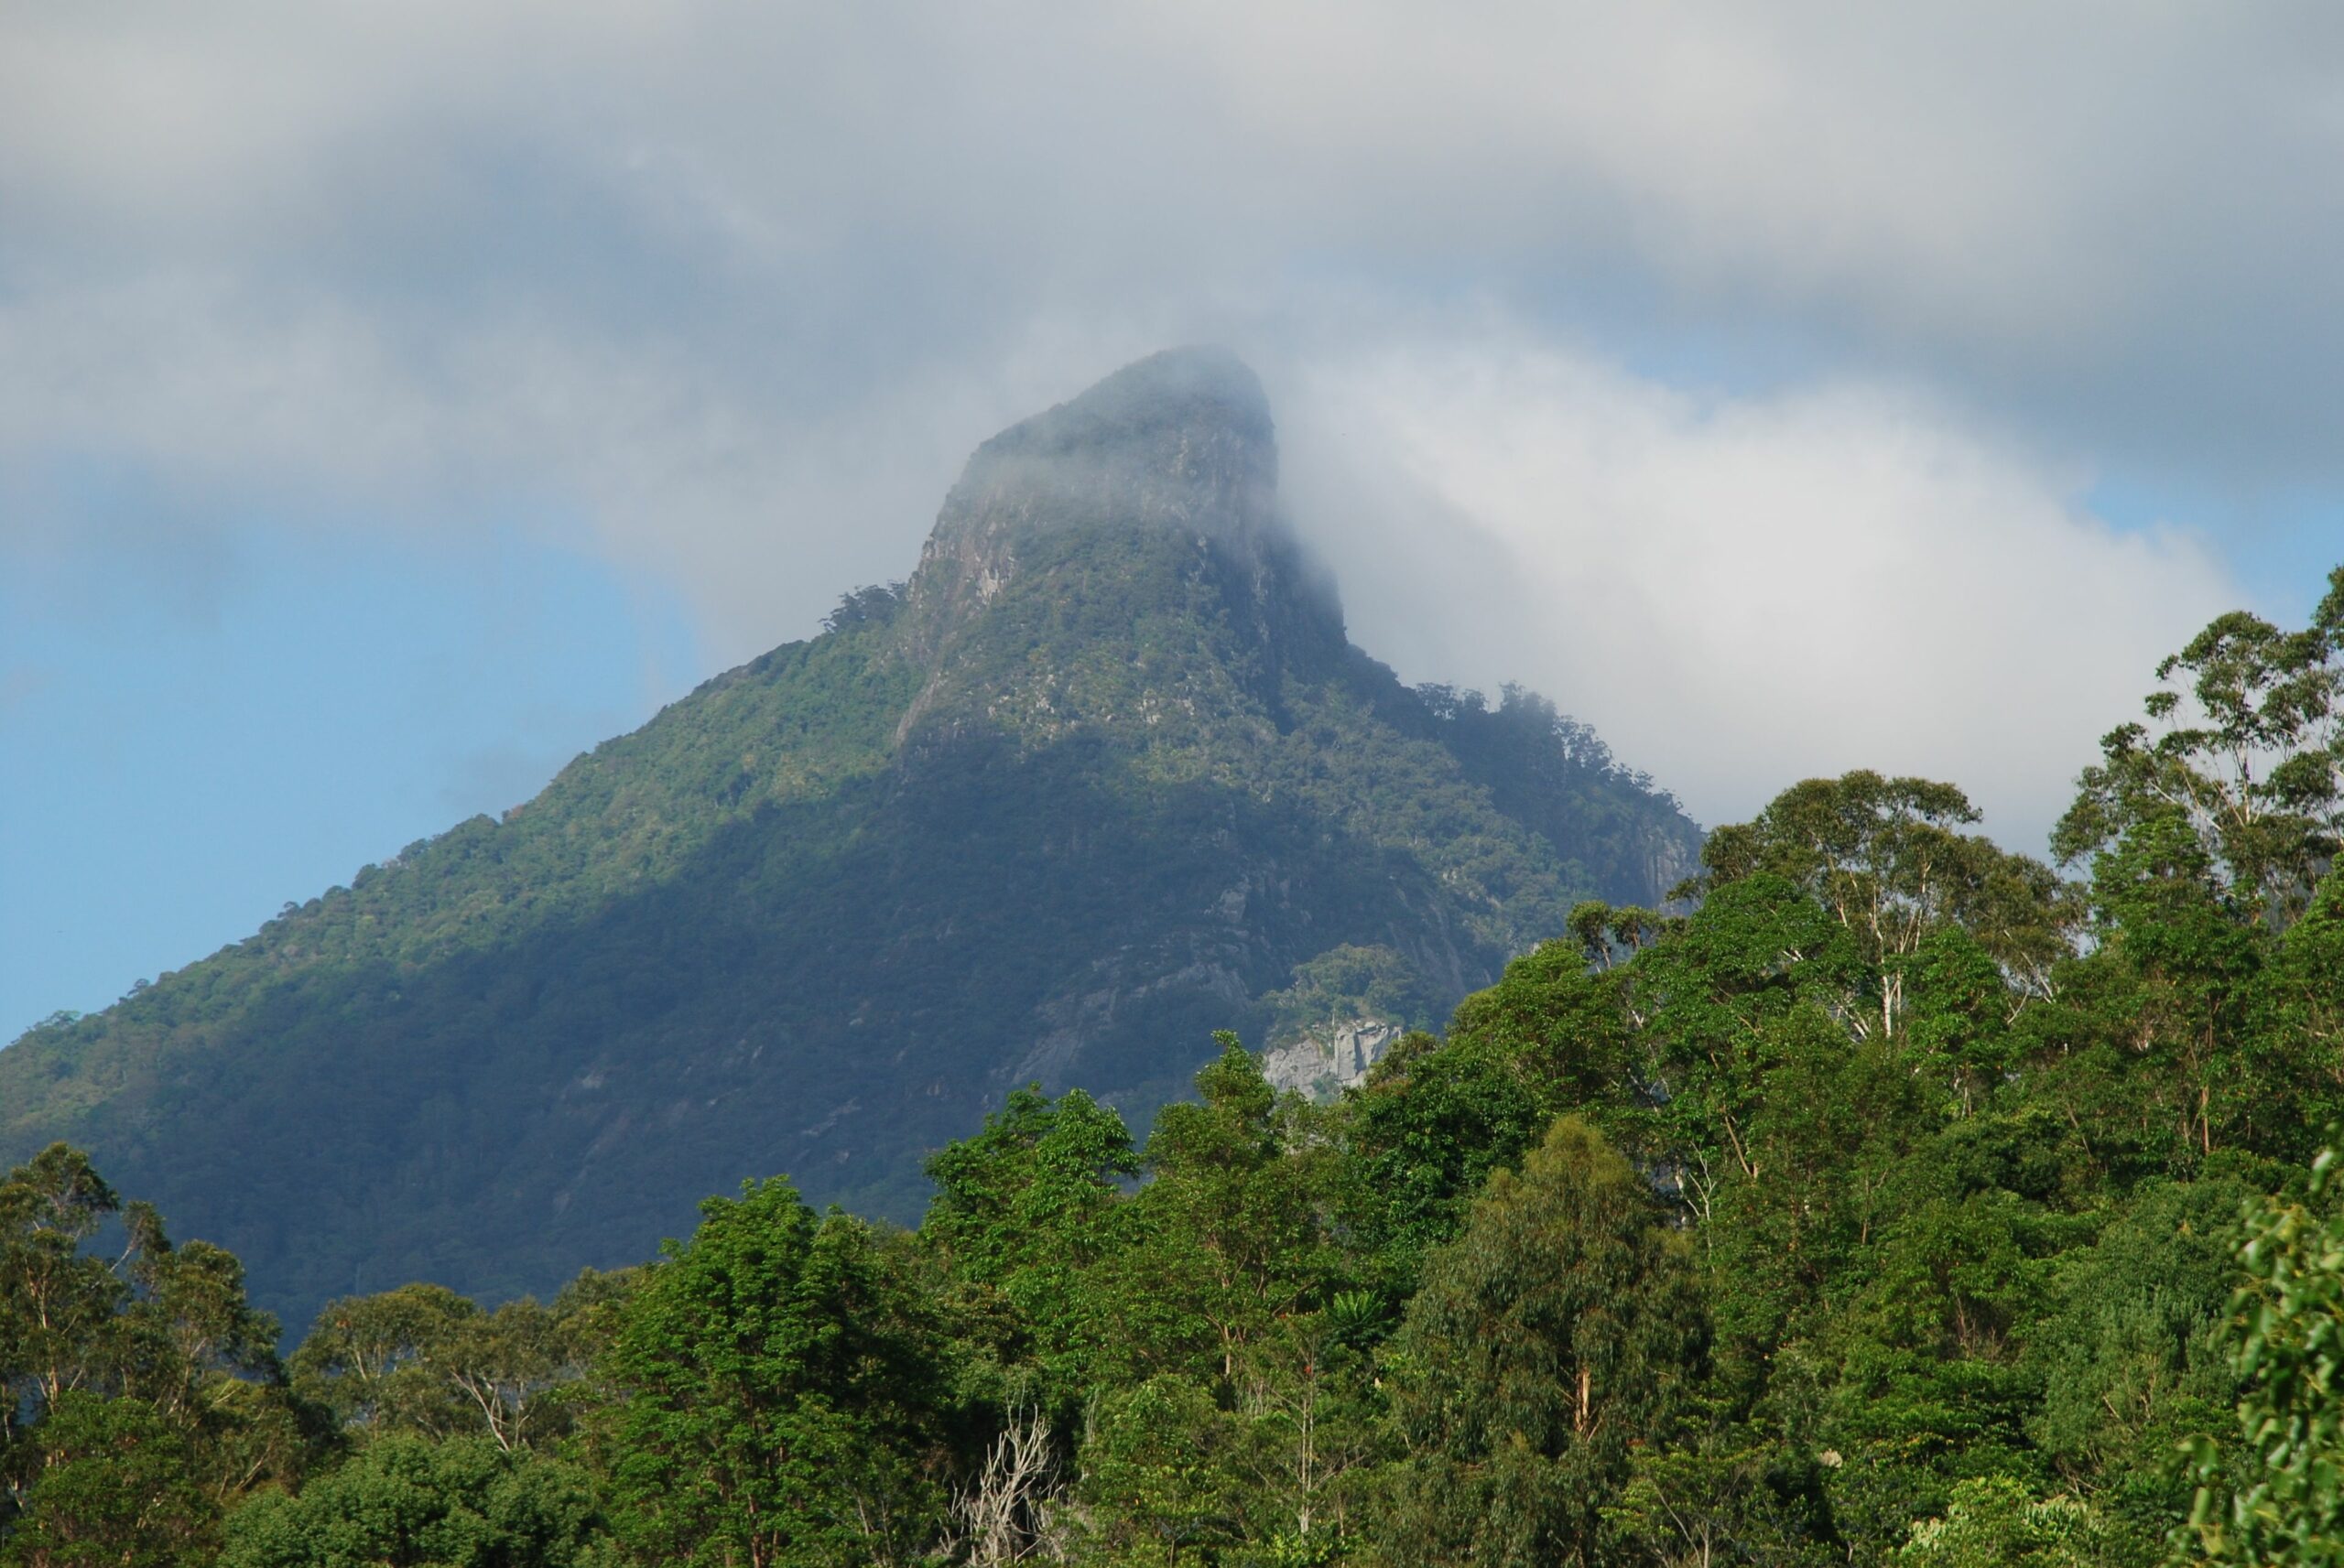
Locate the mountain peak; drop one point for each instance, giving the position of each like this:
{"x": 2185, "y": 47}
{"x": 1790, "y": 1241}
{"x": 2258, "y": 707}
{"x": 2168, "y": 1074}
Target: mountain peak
{"x": 1109, "y": 777}
{"x": 1175, "y": 451}
{"x": 1182, "y": 437}
{"x": 1197, "y": 387}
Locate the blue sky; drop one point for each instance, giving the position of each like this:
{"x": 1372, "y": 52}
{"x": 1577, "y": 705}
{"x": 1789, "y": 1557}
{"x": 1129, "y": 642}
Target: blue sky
{"x": 190, "y": 743}
{"x": 396, "y": 400}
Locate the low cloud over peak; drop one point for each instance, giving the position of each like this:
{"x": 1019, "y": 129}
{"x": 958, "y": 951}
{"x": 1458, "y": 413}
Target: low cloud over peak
{"x": 1705, "y": 365}
{"x": 1739, "y": 592}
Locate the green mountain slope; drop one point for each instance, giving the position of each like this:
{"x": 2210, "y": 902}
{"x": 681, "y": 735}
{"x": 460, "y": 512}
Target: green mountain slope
{"x": 1103, "y": 776}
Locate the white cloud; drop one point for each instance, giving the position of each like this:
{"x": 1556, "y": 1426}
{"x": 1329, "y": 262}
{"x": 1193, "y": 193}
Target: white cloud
{"x": 739, "y": 284}
{"x": 762, "y": 509}
{"x": 2113, "y": 215}
{"x": 1738, "y": 593}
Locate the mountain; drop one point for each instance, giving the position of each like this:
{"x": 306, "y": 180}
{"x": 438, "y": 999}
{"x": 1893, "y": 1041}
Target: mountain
{"x": 1103, "y": 775}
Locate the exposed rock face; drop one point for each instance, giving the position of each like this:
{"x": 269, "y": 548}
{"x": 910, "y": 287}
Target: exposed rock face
{"x": 1324, "y": 1062}
{"x": 1174, "y": 463}
{"x": 1181, "y": 439}
{"x": 1180, "y": 442}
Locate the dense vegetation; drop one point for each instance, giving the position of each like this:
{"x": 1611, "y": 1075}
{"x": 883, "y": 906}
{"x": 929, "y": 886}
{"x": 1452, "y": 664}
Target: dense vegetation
{"x": 1105, "y": 775}
{"x": 1902, "y": 1200}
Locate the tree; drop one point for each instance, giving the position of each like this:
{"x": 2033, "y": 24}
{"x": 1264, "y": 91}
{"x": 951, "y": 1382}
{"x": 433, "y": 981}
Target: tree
{"x": 778, "y": 1379}
{"x": 423, "y": 1359}
{"x": 378, "y": 1361}
{"x": 2249, "y": 760}
{"x": 1724, "y": 1497}
{"x": 1238, "y": 1414}
{"x": 1156, "y": 1485}
{"x": 403, "y": 1502}
{"x": 1228, "y": 1237}
{"x": 2132, "y": 1353}
{"x": 1432, "y": 1124}
{"x": 2298, "y": 1018}
{"x": 1267, "y": 1468}
{"x": 1005, "y": 1512}
{"x": 165, "y": 1333}
{"x": 1023, "y": 1212}
{"x": 205, "y": 1359}
{"x": 1562, "y": 1329}
{"x": 2276, "y": 1500}
{"x": 112, "y": 1486}
{"x": 58, "y": 1305}
{"x": 1887, "y": 859}
{"x": 1993, "y": 1522}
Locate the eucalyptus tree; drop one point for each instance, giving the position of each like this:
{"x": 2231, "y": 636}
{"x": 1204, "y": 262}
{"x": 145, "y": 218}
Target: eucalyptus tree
{"x": 1561, "y": 1331}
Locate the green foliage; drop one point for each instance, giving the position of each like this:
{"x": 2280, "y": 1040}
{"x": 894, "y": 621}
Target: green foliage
{"x": 1349, "y": 983}
{"x": 378, "y": 1361}
{"x": 423, "y": 1359}
{"x": 407, "y": 1503}
{"x": 1563, "y": 1328}
{"x": 2249, "y": 762}
{"x": 1722, "y": 1495}
{"x": 63, "y": 1331}
{"x": 1104, "y": 775}
{"x": 1278, "y": 1474}
{"x": 2132, "y": 1352}
{"x": 1226, "y": 1238}
{"x": 1434, "y": 1122}
{"x": 1237, "y": 1419}
{"x": 1991, "y": 1523}
{"x": 1156, "y": 1474}
{"x": 777, "y": 1378}
{"x": 140, "y": 1392}
{"x": 1549, "y": 1037}
{"x": 1886, "y": 1200}
{"x": 112, "y": 1483}
{"x": 2277, "y": 1497}
{"x": 1024, "y": 1212}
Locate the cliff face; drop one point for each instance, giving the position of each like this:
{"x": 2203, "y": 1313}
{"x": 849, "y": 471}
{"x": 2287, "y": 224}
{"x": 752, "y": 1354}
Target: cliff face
{"x": 1323, "y": 1063}
{"x": 1120, "y": 564}
{"x": 1104, "y": 776}
{"x": 1180, "y": 441}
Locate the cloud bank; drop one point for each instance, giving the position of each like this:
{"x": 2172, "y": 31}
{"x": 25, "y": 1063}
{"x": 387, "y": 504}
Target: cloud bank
{"x": 1740, "y": 592}
{"x": 1736, "y": 373}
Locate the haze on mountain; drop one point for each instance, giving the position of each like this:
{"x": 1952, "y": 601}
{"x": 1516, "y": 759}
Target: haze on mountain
{"x": 1103, "y": 775}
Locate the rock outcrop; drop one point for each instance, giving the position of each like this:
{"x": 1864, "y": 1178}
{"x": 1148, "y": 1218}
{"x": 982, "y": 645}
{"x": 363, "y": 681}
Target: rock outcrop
{"x": 1323, "y": 1063}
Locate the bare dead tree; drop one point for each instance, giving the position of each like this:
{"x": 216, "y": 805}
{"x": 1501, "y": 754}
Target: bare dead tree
{"x": 1004, "y": 1516}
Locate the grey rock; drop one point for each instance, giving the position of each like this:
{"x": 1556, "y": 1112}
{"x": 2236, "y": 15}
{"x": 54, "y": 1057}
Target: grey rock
{"x": 1325, "y": 1062}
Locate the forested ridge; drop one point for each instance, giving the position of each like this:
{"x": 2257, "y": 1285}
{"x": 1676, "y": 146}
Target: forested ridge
{"x": 1103, "y": 774}
{"x": 1888, "y": 1196}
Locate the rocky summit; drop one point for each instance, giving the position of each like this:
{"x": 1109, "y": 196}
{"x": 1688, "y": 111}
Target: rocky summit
{"x": 1103, "y": 775}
